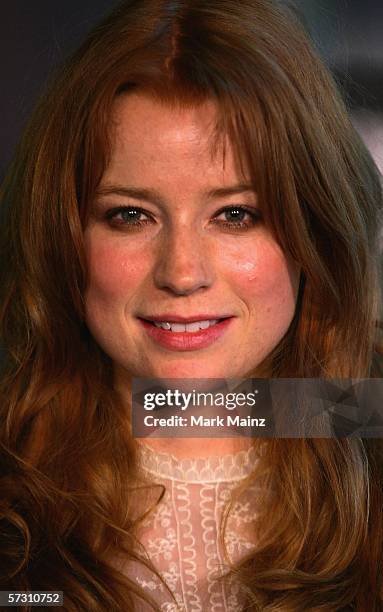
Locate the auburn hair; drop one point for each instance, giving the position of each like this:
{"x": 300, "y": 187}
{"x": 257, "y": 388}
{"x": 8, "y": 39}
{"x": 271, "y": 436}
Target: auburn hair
{"x": 68, "y": 460}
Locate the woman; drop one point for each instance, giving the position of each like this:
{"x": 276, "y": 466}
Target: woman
{"x": 192, "y": 165}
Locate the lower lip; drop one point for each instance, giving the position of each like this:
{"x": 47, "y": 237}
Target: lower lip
{"x": 186, "y": 341}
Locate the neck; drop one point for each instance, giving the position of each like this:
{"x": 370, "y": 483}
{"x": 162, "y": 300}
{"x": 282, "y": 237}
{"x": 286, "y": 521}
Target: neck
{"x": 184, "y": 448}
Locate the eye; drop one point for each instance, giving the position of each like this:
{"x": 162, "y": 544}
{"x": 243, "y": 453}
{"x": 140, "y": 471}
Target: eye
{"x": 128, "y": 216}
{"x": 237, "y": 217}
{"x": 235, "y": 214}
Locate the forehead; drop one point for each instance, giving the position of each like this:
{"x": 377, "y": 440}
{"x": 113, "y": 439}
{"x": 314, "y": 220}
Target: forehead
{"x": 139, "y": 112}
{"x": 147, "y": 130}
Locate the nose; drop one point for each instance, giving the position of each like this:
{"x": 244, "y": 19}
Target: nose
{"x": 183, "y": 265}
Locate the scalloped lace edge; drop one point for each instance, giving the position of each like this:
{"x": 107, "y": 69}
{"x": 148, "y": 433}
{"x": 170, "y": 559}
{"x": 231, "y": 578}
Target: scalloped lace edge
{"x": 225, "y": 468}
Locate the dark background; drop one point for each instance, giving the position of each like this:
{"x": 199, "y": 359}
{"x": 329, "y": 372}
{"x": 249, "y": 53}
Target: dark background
{"x": 36, "y": 36}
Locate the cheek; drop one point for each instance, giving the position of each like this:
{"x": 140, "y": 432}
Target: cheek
{"x": 263, "y": 277}
{"x": 113, "y": 271}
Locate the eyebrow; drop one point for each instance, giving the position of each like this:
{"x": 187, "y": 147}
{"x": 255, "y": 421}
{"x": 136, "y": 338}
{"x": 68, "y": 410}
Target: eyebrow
{"x": 150, "y": 195}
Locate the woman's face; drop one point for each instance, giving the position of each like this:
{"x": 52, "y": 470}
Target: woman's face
{"x": 185, "y": 279}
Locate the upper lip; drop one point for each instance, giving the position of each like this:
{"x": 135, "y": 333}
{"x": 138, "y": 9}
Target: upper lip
{"x": 174, "y": 318}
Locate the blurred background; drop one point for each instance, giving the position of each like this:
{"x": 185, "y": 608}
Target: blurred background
{"x": 35, "y": 37}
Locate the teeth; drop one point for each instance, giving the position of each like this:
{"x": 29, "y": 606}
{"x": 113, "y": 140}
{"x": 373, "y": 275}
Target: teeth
{"x": 177, "y": 327}
{"x": 194, "y": 327}
{"x": 187, "y": 327}
{"x": 204, "y": 324}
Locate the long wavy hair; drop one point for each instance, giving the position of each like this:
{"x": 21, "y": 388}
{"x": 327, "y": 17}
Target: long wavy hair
{"x": 68, "y": 463}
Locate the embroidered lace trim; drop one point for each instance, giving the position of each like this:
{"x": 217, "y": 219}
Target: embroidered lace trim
{"x": 180, "y": 535}
{"x": 225, "y": 468}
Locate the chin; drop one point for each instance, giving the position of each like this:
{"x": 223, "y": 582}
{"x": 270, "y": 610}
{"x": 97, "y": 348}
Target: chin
{"x": 196, "y": 370}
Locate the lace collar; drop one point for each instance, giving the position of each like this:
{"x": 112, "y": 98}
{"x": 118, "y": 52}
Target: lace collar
{"x": 225, "y": 468}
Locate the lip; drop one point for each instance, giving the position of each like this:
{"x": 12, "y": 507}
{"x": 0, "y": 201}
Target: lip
{"x": 186, "y": 341}
{"x": 174, "y": 318}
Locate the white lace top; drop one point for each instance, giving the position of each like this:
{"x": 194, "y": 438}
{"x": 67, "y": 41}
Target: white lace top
{"x": 180, "y": 536}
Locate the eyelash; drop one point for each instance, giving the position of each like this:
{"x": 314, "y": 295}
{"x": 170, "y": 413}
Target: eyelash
{"x": 255, "y": 217}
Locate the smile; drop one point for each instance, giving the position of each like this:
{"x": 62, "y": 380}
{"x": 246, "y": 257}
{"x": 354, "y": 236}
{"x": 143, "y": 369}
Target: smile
{"x": 187, "y": 327}
{"x": 186, "y": 335}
